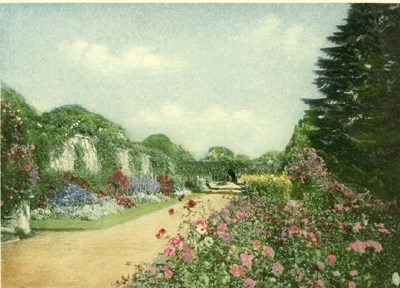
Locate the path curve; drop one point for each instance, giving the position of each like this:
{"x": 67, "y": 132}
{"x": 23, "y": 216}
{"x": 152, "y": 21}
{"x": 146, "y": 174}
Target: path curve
{"x": 94, "y": 258}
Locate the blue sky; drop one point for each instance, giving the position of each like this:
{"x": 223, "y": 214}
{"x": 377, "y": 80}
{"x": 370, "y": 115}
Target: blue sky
{"x": 204, "y": 74}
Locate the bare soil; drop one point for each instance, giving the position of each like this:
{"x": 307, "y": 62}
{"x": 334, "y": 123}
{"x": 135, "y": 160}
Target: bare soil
{"x": 92, "y": 258}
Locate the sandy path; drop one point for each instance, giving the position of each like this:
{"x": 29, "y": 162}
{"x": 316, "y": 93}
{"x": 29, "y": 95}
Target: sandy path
{"x": 90, "y": 258}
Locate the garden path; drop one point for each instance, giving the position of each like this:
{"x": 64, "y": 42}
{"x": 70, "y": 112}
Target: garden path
{"x": 94, "y": 258}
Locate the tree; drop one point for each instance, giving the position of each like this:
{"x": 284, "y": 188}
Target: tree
{"x": 218, "y": 153}
{"x": 164, "y": 144}
{"x": 356, "y": 126}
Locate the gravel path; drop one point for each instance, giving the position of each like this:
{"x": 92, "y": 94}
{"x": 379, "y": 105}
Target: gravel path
{"x": 91, "y": 258}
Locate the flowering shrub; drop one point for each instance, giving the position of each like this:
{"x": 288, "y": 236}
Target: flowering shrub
{"x": 119, "y": 182}
{"x": 18, "y": 172}
{"x": 253, "y": 244}
{"x": 144, "y": 184}
{"x": 306, "y": 167}
{"x": 269, "y": 188}
{"x": 72, "y": 195}
{"x": 141, "y": 197}
{"x": 124, "y": 201}
{"x": 167, "y": 185}
{"x": 102, "y": 208}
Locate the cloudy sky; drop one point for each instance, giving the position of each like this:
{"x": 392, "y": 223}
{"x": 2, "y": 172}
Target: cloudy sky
{"x": 204, "y": 74}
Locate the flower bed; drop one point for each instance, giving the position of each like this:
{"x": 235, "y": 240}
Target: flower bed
{"x": 349, "y": 241}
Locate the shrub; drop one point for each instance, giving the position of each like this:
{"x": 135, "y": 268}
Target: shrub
{"x": 119, "y": 182}
{"x": 251, "y": 244}
{"x": 269, "y": 188}
{"x": 167, "y": 185}
{"x": 306, "y": 167}
{"x": 123, "y": 200}
{"x": 18, "y": 171}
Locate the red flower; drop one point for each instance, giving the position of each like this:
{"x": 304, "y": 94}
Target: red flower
{"x": 171, "y": 211}
{"x": 331, "y": 259}
{"x": 191, "y": 203}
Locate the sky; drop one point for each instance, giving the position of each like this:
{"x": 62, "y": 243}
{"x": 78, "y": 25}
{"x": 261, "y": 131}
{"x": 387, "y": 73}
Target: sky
{"x": 205, "y": 75}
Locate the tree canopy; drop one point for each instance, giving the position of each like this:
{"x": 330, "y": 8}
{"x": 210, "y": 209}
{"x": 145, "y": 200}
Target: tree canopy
{"x": 356, "y": 126}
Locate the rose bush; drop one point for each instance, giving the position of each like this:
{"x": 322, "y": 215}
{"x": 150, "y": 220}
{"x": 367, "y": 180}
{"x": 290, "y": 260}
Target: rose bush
{"x": 351, "y": 242}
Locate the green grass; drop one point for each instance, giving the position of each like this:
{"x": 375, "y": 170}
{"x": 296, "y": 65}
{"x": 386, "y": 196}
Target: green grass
{"x": 106, "y": 222}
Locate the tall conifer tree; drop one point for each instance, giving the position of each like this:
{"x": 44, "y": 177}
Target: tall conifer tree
{"x": 358, "y": 120}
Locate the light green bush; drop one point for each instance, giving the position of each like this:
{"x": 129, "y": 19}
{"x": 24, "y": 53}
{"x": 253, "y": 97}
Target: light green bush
{"x": 275, "y": 189}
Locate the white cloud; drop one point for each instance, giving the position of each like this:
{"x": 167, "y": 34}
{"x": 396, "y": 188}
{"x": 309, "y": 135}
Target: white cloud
{"x": 100, "y": 58}
{"x": 172, "y": 112}
{"x": 274, "y": 36}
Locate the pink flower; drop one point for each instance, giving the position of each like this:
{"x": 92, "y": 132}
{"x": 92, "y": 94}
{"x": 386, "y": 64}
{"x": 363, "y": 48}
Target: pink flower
{"x": 186, "y": 249}
{"x": 357, "y": 228}
{"x": 259, "y": 230}
{"x": 175, "y": 241}
{"x": 358, "y": 246}
{"x": 167, "y": 272}
{"x": 201, "y": 226}
{"x": 226, "y": 238}
{"x": 277, "y": 269}
{"x": 331, "y": 259}
{"x": 268, "y": 252}
{"x": 319, "y": 265}
{"x": 256, "y": 244}
{"x": 228, "y": 206}
{"x": 339, "y": 207}
{"x": 239, "y": 216}
{"x": 381, "y": 228}
{"x": 353, "y": 273}
{"x": 249, "y": 283}
{"x": 375, "y": 245}
{"x": 169, "y": 251}
{"x": 237, "y": 270}
{"x": 247, "y": 259}
{"x": 293, "y": 230}
{"x": 152, "y": 271}
{"x": 222, "y": 228}
{"x": 227, "y": 219}
{"x": 187, "y": 258}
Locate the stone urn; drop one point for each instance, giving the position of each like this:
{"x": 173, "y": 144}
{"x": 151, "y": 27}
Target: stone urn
{"x": 23, "y": 218}
{"x": 18, "y": 222}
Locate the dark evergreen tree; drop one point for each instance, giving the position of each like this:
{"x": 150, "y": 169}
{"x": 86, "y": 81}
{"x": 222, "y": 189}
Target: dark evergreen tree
{"x": 357, "y": 124}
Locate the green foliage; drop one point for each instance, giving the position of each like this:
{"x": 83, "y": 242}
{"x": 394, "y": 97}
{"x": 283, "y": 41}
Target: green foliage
{"x": 65, "y": 122}
{"x": 219, "y": 153}
{"x": 270, "y": 162}
{"x": 269, "y": 188}
{"x": 162, "y": 143}
{"x": 356, "y": 126}
{"x": 18, "y": 170}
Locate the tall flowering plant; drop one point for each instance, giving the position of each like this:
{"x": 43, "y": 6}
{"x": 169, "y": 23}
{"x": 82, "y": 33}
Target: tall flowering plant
{"x": 167, "y": 185}
{"x": 306, "y": 167}
{"x": 119, "y": 182}
{"x": 18, "y": 172}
